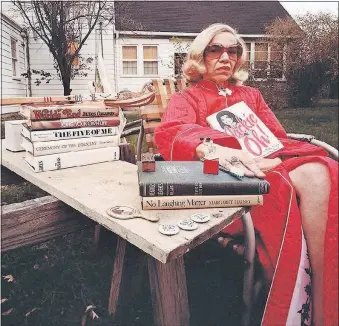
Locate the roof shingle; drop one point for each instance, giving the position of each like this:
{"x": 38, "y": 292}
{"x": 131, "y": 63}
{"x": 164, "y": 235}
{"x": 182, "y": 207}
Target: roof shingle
{"x": 247, "y": 17}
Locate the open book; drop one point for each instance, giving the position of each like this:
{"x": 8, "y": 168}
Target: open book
{"x": 241, "y": 122}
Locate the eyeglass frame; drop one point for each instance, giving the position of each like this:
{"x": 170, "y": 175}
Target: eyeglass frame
{"x": 238, "y": 46}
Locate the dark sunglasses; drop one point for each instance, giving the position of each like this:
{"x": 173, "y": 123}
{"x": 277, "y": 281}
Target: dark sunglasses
{"x": 214, "y": 51}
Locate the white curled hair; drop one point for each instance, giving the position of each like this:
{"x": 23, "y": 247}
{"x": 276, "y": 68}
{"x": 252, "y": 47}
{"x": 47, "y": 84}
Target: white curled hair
{"x": 194, "y": 66}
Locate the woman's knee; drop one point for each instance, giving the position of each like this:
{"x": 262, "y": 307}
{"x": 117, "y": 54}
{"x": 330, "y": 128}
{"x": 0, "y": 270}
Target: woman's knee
{"x": 310, "y": 177}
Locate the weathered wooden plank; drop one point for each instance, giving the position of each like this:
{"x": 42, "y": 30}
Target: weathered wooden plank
{"x": 118, "y": 267}
{"x": 169, "y": 292}
{"x": 38, "y": 220}
{"x": 129, "y": 272}
{"x": 92, "y": 189}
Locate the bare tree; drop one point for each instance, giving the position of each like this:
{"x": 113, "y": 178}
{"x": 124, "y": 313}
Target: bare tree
{"x": 64, "y": 26}
{"x": 311, "y": 53}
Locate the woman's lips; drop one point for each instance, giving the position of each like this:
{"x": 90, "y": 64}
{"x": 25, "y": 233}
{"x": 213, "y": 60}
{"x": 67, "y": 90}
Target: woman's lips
{"x": 224, "y": 68}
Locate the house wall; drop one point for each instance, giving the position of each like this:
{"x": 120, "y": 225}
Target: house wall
{"x": 11, "y": 86}
{"x": 42, "y": 59}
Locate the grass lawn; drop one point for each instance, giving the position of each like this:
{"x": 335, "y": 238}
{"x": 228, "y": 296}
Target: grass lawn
{"x": 55, "y": 281}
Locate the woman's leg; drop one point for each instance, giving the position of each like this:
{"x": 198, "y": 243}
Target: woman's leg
{"x": 312, "y": 184}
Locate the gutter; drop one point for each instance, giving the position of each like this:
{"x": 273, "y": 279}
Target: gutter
{"x": 11, "y": 22}
{"x": 147, "y": 33}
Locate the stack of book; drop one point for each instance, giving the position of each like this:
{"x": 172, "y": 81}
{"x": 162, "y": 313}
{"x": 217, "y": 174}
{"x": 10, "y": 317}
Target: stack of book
{"x": 58, "y": 136}
{"x": 181, "y": 185}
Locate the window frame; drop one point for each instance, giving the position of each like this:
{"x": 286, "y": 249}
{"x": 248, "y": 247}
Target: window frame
{"x": 252, "y": 60}
{"x": 15, "y": 60}
{"x": 150, "y": 60}
{"x": 129, "y": 60}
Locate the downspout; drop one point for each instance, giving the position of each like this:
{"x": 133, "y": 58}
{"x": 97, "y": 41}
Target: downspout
{"x": 115, "y": 63}
{"x": 101, "y": 41}
{"x": 24, "y": 35}
{"x": 115, "y": 48}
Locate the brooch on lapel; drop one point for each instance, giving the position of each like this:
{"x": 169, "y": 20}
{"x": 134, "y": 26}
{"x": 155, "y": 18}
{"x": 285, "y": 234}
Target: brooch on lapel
{"x": 224, "y": 92}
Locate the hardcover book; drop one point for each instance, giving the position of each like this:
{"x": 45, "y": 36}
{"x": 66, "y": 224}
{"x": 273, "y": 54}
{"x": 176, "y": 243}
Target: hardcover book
{"x": 52, "y": 111}
{"x": 241, "y": 122}
{"x": 179, "y": 178}
{"x": 68, "y": 145}
{"x": 58, "y": 134}
{"x": 74, "y": 123}
{"x": 186, "y": 202}
{"x": 71, "y": 159}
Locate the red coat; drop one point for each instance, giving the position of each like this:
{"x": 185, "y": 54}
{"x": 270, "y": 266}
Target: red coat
{"x": 278, "y": 221}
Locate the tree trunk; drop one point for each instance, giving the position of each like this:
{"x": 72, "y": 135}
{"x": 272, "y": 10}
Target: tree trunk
{"x": 66, "y": 82}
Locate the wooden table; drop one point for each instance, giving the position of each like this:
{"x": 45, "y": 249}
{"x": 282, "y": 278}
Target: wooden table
{"x": 93, "y": 188}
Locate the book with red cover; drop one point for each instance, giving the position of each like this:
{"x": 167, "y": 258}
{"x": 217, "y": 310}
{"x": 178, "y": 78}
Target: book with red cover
{"x": 179, "y": 178}
{"x": 74, "y": 123}
{"x": 52, "y": 111}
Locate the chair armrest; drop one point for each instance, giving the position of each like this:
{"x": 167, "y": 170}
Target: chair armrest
{"x": 301, "y": 137}
{"x": 311, "y": 139}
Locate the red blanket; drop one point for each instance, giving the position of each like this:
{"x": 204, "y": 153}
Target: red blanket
{"x": 278, "y": 221}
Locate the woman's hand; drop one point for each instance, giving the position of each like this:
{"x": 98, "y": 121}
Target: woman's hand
{"x": 266, "y": 164}
{"x": 229, "y": 157}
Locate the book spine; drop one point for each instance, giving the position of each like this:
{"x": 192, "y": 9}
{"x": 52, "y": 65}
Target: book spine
{"x": 57, "y": 134}
{"x": 207, "y": 189}
{"x": 51, "y": 113}
{"x": 71, "y": 159}
{"x": 189, "y": 202}
{"x": 74, "y": 123}
{"x": 69, "y": 145}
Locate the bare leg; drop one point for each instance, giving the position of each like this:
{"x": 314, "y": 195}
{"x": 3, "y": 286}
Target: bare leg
{"x": 312, "y": 184}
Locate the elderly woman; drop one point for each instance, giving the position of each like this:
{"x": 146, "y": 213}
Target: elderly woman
{"x": 302, "y": 209}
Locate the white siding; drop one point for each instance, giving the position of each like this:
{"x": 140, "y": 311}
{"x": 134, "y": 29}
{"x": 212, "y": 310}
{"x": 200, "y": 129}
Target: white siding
{"x": 41, "y": 58}
{"x": 11, "y": 86}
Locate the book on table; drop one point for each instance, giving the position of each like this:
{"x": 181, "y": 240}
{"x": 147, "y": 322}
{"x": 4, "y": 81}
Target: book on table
{"x": 72, "y": 133}
{"x": 52, "y": 111}
{"x": 93, "y": 122}
{"x": 186, "y": 178}
{"x": 68, "y": 145}
{"x": 71, "y": 159}
{"x": 189, "y": 202}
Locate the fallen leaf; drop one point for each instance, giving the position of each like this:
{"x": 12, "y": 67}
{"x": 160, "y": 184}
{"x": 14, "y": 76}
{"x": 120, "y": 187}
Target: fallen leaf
{"x": 6, "y": 313}
{"x": 3, "y": 300}
{"x": 94, "y": 315}
{"x": 9, "y": 278}
{"x": 89, "y": 308}
{"x": 28, "y": 313}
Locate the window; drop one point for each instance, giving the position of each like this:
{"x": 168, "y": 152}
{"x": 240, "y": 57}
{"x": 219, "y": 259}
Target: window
{"x": 247, "y": 64}
{"x": 179, "y": 59}
{"x": 265, "y": 60}
{"x": 277, "y": 61}
{"x": 129, "y": 60}
{"x": 261, "y": 65}
{"x": 14, "y": 52}
{"x": 150, "y": 57}
{"x": 73, "y": 46}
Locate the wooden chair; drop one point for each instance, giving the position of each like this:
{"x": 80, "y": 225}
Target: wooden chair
{"x": 152, "y": 113}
